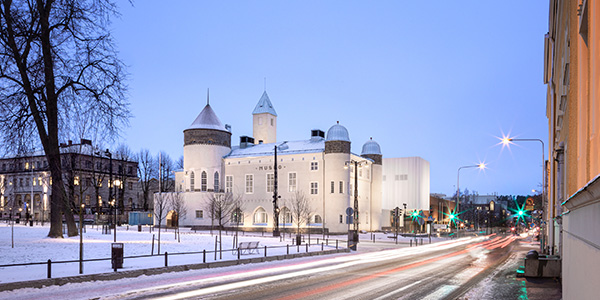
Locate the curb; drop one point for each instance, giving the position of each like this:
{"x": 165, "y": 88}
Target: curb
{"x": 40, "y": 283}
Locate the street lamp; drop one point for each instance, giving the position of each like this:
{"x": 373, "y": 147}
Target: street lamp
{"x": 507, "y": 141}
{"x": 113, "y": 204}
{"x": 481, "y": 166}
{"x": 81, "y": 238}
{"x": 356, "y": 163}
{"x": 276, "y": 197}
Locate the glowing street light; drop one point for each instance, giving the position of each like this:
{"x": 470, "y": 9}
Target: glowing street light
{"x": 481, "y": 166}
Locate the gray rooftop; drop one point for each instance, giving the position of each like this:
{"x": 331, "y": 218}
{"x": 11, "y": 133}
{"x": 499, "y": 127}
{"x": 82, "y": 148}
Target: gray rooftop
{"x": 292, "y": 147}
{"x": 207, "y": 119}
{"x": 264, "y": 105}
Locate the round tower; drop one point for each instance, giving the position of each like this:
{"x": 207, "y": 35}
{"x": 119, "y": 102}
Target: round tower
{"x": 205, "y": 143}
{"x": 372, "y": 150}
{"x": 337, "y": 178}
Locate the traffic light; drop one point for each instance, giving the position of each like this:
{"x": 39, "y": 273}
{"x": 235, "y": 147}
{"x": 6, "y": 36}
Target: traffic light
{"x": 452, "y": 216}
{"x": 415, "y": 213}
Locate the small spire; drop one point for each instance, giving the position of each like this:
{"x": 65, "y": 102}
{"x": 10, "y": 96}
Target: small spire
{"x": 208, "y": 96}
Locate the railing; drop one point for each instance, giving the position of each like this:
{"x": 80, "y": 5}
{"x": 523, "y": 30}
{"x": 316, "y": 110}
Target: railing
{"x": 49, "y": 263}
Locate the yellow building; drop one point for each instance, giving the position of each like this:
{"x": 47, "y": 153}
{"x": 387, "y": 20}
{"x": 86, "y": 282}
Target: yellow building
{"x": 572, "y": 72}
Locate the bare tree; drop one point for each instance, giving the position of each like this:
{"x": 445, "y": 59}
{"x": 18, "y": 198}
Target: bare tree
{"x": 161, "y": 208}
{"x": 301, "y": 211}
{"x": 57, "y": 60}
{"x": 179, "y": 163}
{"x": 146, "y": 170}
{"x": 220, "y": 207}
{"x": 165, "y": 167}
{"x": 177, "y": 204}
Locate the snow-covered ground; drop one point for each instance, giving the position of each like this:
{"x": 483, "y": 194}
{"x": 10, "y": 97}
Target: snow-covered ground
{"x": 32, "y": 246}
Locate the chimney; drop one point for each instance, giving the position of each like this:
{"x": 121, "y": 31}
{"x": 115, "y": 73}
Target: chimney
{"x": 246, "y": 141}
{"x": 317, "y": 135}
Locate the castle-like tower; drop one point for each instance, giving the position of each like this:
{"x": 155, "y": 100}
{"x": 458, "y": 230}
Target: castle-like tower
{"x": 337, "y": 158}
{"x": 372, "y": 151}
{"x": 264, "y": 123}
{"x": 206, "y": 141}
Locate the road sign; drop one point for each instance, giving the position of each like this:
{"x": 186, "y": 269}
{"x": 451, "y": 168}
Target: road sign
{"x": 440, "y": 226}
{"x": 421, "y": 218}
{"x": 349, "y": 211}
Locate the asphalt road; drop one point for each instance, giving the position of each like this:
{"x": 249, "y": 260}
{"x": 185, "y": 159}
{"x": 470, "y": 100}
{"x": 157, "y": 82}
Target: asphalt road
{"x": 437, "y": 271}
{"x": 446, "y": 270}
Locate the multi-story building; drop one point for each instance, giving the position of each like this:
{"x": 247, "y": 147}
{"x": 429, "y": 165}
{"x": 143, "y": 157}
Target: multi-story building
{"x": 25, "y": 182}
{"x": 572, "y": 73}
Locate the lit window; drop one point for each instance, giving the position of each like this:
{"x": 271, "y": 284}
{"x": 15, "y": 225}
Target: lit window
{"x": 249, "y": 184}
{"x": 260, "y": 216}
{"x": 76, "y": 180}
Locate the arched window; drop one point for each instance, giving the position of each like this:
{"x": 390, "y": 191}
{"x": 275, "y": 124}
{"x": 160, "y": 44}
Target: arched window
{"x": 203, "y": 181}
{"x": 285, "y": 216}
{"x": 216, "y": 182}
{"x": 192, "y": 182}
{"x": 260, "y": 216}
{"x": 318, "y": 219}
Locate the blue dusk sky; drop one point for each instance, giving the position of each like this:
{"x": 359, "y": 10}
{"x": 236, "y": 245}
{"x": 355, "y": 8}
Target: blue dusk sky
{"x": 437, "y": 79}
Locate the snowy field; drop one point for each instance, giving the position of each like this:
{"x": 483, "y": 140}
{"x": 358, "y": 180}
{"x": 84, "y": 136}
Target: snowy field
{"x": 32, "y": 246}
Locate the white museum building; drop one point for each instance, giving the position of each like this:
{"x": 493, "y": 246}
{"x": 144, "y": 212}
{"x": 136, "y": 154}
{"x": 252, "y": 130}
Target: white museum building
{"x": 321, "y": 167}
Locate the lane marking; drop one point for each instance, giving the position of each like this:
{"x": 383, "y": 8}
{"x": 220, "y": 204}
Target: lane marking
{"x": 387, "y": 296}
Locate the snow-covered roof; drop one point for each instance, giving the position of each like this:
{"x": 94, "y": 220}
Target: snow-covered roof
{"x": 338, "y": 132}
{"x": 264, "y": 105}
{"x": 207, "y": 119}
{"x": 371, "y": 147}
{"x": 290, "y": 147}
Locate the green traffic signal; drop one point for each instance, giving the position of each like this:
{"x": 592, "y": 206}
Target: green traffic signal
{"x": 452, "y": 216}
{"x": 521, "y": 212}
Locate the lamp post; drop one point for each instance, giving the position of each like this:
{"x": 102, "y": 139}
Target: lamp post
{"x": 356, "y": 163}
{"x": 481, "y": 166}
{"x": 81, "y": 238}
{"x": 506, "y": 141}
{"x": 276, "y": 196}
{"x": 115, "y": 220}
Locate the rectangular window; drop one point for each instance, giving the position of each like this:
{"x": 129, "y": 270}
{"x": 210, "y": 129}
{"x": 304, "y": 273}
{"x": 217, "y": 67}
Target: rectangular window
{"x": 341, "y": 187}
{"x": 229, "y": 184}
{"x": 314, "y": 188}
{"x": 249, "y": 184}
{"x": 199, "y": 214}
{"x": 270, "y": 182}
{"x": 292, "y": 182}
{"x": 130, "y": 185}
{"x": 332, "y": 186}
{"x": 314, "y": 165}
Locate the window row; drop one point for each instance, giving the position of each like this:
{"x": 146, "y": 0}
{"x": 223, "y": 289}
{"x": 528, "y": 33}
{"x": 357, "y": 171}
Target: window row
{"x": 249, "y": 184}
{"x": 204, "y": 181}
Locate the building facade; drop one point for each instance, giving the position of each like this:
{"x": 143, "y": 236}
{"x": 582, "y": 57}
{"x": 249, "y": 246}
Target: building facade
{"x": 322, "y": 168}
{"x": 571, "y": 71}
{"x": 25, "y": 182}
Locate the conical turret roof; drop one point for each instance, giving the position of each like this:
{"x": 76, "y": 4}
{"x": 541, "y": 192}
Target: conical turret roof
{"x": 264, "y": 105}
{"x": 207, "y": 119}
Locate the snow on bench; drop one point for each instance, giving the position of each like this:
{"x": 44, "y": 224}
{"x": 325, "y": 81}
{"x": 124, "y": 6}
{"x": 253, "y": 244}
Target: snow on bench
{"x": 248, "y": 247}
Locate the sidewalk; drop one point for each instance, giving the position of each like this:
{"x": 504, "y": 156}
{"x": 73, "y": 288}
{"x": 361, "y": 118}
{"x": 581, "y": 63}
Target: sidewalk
{"x": 504, "y": 283}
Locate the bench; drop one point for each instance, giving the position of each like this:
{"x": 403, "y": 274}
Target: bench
{"x": 248, "y": 247}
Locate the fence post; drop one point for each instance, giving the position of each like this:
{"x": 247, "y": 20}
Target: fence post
{"x": 306, "y": 247}
{"x": 238, "y": 250}
{"x": 49, "y": 269}
{"x": 265, "y": 251}
{"x": 321, "y": 246}
{"x": 317, "y": 240}
{"x": 410, "y": 242}
{"x": 336, "y": 244}
{"x": 166, "y": 258}
{"x": 204, "y": 256}
{"x": 288, "y": 249}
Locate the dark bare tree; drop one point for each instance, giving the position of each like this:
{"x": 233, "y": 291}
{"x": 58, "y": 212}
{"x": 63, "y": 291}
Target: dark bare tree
{"x": 165, "y": 167}
{"x": 220, "y": 207}
{"x": 301, "y": 210}
{"x": 178, "y": 206}
{"x": 179, "y": 163}
{"x": 122, "y": 155}
{"x": 146, "y": 170}
{"x": 58, "y": 60}
{"x": 161, "y": 208}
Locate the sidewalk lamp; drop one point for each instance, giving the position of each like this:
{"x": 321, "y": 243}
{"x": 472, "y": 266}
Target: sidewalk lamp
{"x": 112, "y": 203}
{"x": 81, "y": 238}
{"x": 481, "y": 166}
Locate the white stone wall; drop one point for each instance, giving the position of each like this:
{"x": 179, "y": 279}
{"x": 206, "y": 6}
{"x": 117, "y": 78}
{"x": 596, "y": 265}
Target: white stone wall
{"x": 262, "y": 128}
{"x": 406, "y": 180}
{"x": 198, "y": 158}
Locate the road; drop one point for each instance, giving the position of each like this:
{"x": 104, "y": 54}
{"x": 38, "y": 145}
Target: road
{"x": 445, "y": 270}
